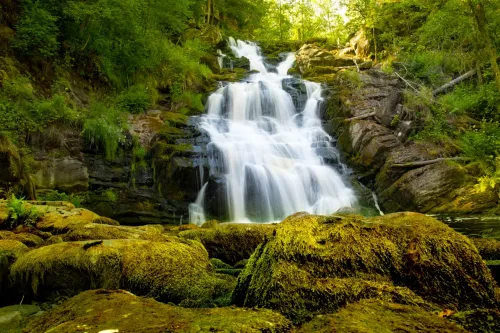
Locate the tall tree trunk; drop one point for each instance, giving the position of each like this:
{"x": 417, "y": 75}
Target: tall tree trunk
{"x": 480, "y": 18}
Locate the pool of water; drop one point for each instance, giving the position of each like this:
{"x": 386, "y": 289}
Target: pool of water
{"x": 473, "y": 225}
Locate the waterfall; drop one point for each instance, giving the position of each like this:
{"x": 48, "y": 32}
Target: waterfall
{"x": 264, "y": 147}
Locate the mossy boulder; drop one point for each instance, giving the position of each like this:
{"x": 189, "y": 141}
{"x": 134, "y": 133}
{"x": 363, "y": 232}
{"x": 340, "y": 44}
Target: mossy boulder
{"x": 489, "y": 248}
{"x": 317, "y": 264}
{"x": 119, "y": 311}
{"x": 374, "y": 316}
{"x": 62, "y": 219}
{"x": 94, "y": 231}
{"x": 176, "y": 271}
{"x": 24, "y": 237}
{"x": 231, "y": 242}
{"x": 10, "y": 250}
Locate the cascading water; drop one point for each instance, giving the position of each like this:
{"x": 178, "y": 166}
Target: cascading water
{"x": 265, "y": 150}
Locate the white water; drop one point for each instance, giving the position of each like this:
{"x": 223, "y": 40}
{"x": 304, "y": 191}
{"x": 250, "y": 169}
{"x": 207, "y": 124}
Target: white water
{"x": 266, "y": 150}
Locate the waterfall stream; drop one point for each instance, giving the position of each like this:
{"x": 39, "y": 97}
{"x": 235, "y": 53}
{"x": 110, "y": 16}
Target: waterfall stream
{"x": 264, "y": 148}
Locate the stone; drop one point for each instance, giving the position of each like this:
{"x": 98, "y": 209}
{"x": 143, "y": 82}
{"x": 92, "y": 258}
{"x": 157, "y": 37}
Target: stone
{"x": 27, "y": 239}
{"x": 318, "y": 264}
{"x": 374, "y": 316}
{"x": 176, "y": 270}
{"x": 371, "y": 143}
{"x": 231, "y": 242}
{"x": 65, "y": 174}
{"x": 120, "y": 311}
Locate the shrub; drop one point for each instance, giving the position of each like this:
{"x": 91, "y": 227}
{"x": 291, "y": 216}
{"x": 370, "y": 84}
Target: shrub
{"x": 103, "y": 129}
{"x": 134, "y": 100}
{"x": 37, "y": 32}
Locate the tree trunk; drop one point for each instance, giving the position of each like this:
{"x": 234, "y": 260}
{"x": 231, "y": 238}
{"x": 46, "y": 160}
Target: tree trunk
{"x": 480, "y": 18}
{"x": 454, "y": 82}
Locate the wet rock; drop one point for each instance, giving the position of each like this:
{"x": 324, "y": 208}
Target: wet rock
{"x": 373, "y": 316}
{"x": 231, "y": 242}
{"x": 176, "y": 270}
{"x": 13, "y": 319}
{"x": 388, "y": 110}
{"x": 64, "y": 174}
{"x": 317, "y": 264}
{"x": 120, "y": 311}
{"x": 297, "y": 90}
{"x": 13, "y": 175}
{"x": 62, "y": 219}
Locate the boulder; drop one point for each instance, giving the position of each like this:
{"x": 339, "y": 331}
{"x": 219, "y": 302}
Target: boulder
{"x": 231, "y": 242}
{"x": 94, "y": 231}
{"x": 15, "y": 317}
{"x": 369, "y": 142}
{"x": 65, "y": 174}
{"x": 360, "y": 44}
{"x": 374, "y": 316}
{"x": 310, "y": 56}
{"x": 24, "y": 237}
{"x": 317, "y": 264}
{"x": 489, "y": 248}
{"x": 176, "y": 271}
{"x": 61, "y": 219}
{"x": 119, "y": 311}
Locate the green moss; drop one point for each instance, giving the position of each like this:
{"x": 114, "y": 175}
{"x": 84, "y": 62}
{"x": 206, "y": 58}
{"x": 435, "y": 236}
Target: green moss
{"x": 176, "y": 270}
{"x": 488, "y": 248}
{"x": 479, "y": 320}
{"x": 101, "y": 310}
{"x": 94, "y": 231}
{"x": 25, "y": 238}
{"x": 318, "y": 264}
{"x": 373, "y": 316}
{"x": 231, "y": 242}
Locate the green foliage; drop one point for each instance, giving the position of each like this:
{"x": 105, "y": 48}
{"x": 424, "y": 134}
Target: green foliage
{"x": 481, "y": 102}
{"x": 483, "y": 144}
{"x": 111, "y": 195}
{"x": 136, "y": 99}
{"x": 75, "y": 199}
{"x": 20, "y": 213}
{"x": 37, "y": 32}
{"x": 104, "y": 129}
{"x": 22, "y": 111}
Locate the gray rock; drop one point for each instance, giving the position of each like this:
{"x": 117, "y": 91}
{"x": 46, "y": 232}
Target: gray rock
{"x": 14, "y": 318}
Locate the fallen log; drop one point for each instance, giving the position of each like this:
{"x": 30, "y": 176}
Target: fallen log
{"x": 363, "y": 116}
{"x": 428, "y": 162}
{"x": 454, "y": 82}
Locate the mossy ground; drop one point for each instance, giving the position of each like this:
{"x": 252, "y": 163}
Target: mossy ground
{"x": 488, "y": 248}
{"x": 175, "y": 271}
{"x": 318, "y": 264}
{"x": 101, "y": 310}
{"x": 374, "y": 316}
{"x": 231, "y": 242}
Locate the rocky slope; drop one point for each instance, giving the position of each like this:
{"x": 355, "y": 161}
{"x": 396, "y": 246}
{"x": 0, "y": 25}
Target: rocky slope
{"x": 373, "y": 118}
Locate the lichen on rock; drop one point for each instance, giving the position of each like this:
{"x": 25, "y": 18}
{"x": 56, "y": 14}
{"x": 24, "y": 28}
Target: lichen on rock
{"x": 317, "y": 264}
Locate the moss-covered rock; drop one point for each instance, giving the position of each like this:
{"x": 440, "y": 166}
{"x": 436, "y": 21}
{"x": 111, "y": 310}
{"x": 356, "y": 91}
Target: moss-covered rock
{"x": 62, "y": 219}
{"x": 24, "y": 237}
{"x": 10, "y": 250}
{"x": 373, "y": 316}
{"x": 317, "y": 264}
{"x": 94, "y": 231}
{"x": 119, "y": 311}
{"x": 176, "y": 271}
{"x": 231, "y": 242}
{"x": 479, "y": 320}
{"x": 488, "y": 248}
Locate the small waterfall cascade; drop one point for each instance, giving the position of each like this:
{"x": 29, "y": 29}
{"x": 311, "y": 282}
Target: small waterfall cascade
{"x": 264, "y": 148}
